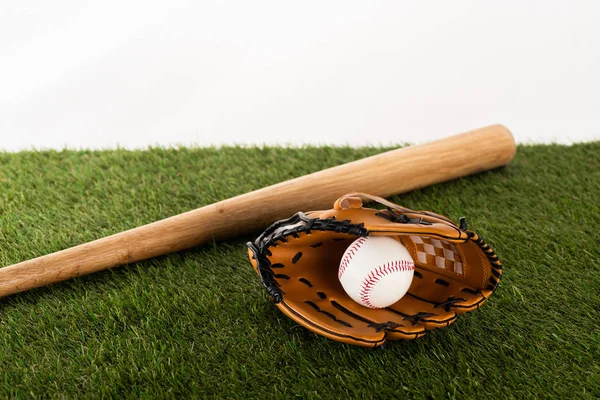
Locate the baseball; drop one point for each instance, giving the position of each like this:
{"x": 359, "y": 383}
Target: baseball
{"x": 376, "y": 271}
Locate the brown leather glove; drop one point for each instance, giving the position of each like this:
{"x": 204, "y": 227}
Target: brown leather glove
{"x": 297, "y": 260}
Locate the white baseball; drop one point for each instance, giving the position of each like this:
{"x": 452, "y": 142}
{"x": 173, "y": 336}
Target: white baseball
{"x": 376, "y": 271}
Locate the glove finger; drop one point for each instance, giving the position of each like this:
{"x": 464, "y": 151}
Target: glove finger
{"x": 380, "y": 319}
{"x": 417, "y": 311}
{"x": 321, "y": 317}
{"x": 443, "y": 293}
{"x": 470, "y": 299}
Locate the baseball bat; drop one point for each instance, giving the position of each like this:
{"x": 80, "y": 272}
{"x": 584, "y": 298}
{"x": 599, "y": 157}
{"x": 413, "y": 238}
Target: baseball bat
{"x": 393, "y": 172}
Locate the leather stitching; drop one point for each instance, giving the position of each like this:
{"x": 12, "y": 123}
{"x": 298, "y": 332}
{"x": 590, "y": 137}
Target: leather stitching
{"x": 369, "y": 283}
{"x": 349, "y": 255}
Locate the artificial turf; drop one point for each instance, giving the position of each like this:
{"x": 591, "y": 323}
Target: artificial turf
{"x": 198, "y": 323}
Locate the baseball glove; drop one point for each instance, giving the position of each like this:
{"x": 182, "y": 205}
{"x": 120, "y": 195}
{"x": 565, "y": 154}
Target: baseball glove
{"x": 297, "y": 260}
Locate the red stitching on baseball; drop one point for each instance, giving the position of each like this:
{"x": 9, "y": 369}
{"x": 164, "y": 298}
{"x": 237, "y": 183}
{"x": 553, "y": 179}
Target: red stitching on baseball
{"x": 349, "y": 255}
{"x": 367, "y": 285}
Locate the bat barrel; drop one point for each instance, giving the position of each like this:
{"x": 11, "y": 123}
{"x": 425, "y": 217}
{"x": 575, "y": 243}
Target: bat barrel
{"x": 394, "y": 172}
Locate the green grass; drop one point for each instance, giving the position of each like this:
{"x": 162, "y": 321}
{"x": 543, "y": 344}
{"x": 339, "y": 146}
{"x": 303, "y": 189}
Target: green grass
{"x": 199, "y": 323}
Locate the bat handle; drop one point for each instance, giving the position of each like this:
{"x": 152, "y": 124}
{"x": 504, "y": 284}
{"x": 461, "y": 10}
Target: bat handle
{"x": 162, "y": 237}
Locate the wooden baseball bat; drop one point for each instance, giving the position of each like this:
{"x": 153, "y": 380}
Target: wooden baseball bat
{"x": 385, "y": 174}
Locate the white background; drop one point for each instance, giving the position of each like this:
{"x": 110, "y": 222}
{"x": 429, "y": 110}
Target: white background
{"x": 107, "y": 73}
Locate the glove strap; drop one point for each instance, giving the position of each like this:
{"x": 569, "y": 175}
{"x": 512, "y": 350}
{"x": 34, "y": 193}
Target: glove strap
{"x": 354, "y": 200}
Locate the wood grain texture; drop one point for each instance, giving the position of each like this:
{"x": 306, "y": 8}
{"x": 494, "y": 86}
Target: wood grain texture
{"x": 385, "y": 174}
